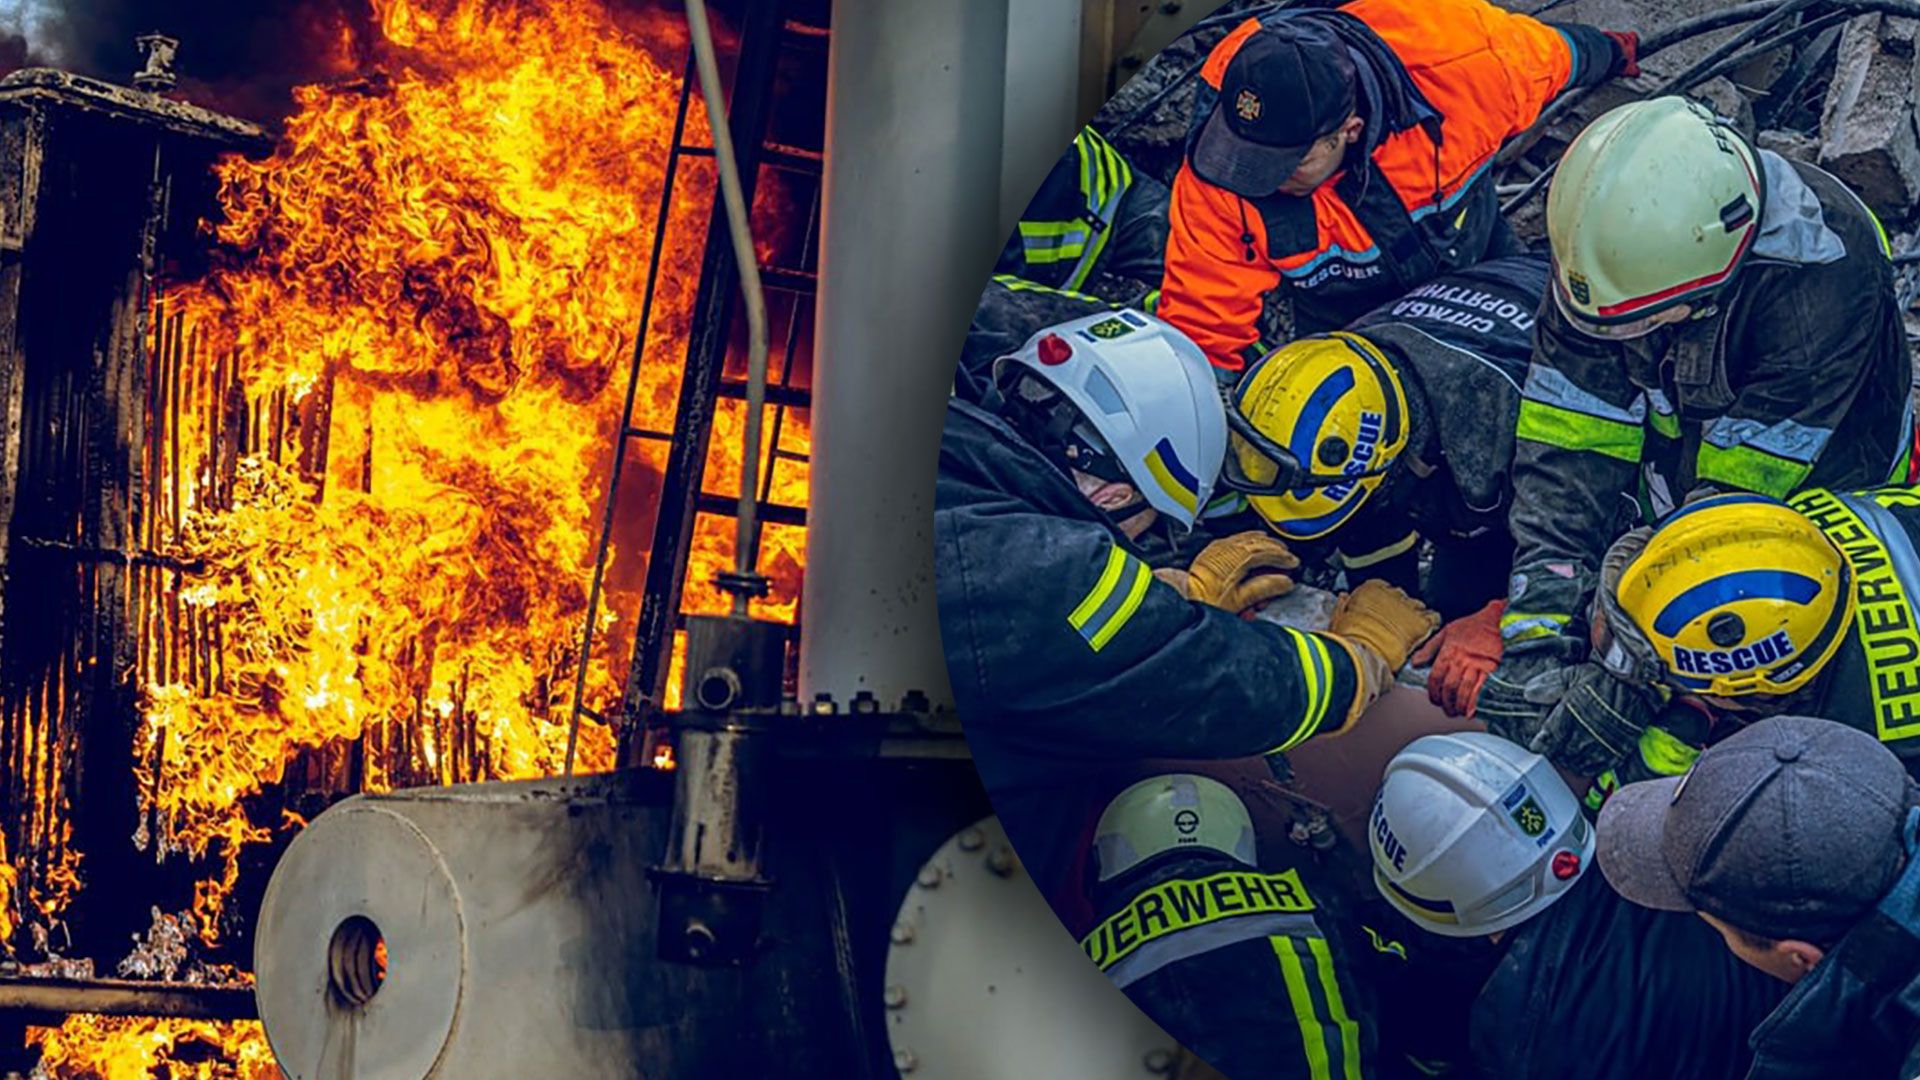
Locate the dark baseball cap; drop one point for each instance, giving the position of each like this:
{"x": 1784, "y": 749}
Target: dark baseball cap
{"x": 1791, "y": 828}
{"x": 1291, "y": 83}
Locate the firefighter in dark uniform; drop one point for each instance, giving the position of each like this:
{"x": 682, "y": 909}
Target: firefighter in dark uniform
{"x": 1238, "y": 952}
{"x": 1357, "y": 445}
{"x": 1093, "y": 218}
{"x": 1744, "y": 607}
{"x": 1069, "y": 656}
{"x": 1011, "y": 311}
{"x": 1722, "y": 319}
{"x": 1483, "y": 851}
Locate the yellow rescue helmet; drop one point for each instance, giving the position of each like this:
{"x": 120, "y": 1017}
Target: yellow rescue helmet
{"x": 1315, "y": 425}
{"x": 1739, "y": 594}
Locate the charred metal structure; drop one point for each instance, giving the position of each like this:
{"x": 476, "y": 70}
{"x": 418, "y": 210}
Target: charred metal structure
{"x": 752, "y": 905}
{"x": 103, "y": 189}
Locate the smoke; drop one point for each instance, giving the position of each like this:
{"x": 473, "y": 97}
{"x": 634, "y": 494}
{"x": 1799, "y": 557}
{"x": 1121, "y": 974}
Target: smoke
{"x": 26, "y": 27}
{"x": 239, "y": 58}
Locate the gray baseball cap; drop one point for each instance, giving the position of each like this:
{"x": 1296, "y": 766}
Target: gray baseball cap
{"x": 1791, "y": 828}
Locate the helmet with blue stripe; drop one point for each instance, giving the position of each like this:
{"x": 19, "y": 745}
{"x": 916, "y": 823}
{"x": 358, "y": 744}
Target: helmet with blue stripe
{"x": 1739, "y": 594}
{"x": 1145, "y": 406}
{"x": 1472, "y": 834}
{"x": 1316, "y": 425}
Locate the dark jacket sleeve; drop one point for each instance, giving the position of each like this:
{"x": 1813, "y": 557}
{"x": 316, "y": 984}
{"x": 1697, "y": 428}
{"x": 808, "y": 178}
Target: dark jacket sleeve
{"x": 1596, "y": 57}
{"x": 1576, "y": 454}
{"x": 1061, "y": 645}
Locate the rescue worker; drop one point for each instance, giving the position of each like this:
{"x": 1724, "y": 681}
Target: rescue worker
{"x": 1722, "y": 319}
{"x": 1092, "y": 216}
{"x": 1397, "y": 429}
{"x": 1473, "y": 837}
{"x": 1345, "y": 153}
{"x": 1011, "y": 310}
{"x": 1067, "y": 655}
{"x": 1796, "y": 840}
{"x": 1745, "y": 607}
{"x": 1235, "y": 951}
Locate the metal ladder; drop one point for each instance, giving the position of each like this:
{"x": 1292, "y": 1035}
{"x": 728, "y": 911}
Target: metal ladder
{"x": 765, "y": 35}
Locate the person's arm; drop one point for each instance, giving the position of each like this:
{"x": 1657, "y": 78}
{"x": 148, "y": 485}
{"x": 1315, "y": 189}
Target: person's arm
{"x": 1544, "y": 60}
{"x": 1576, "y": 455}
{"x": 1217, "y": 272}
{"x": 1804, "y": 373}
{"x": 1062, "y": 642}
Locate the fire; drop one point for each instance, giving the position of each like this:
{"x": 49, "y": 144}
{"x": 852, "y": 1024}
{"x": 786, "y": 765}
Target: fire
{"x": 439, "y": 271}
{"x": 420, "y": 315}
{"x": 144, "y": 1048}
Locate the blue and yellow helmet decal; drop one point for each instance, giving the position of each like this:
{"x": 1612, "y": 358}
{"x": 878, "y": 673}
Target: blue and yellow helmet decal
{"x": 1338, "y": 408}
{"x": 1739, "y": 594}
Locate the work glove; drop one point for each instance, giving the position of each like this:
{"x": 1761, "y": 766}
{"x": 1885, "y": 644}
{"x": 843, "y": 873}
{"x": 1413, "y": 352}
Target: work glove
{"x": 1628, "y": 44}
{"x": 1383, "y": 619}
{"x": 1463, "y": 654}
{"x": 1241, "y": 571}
{"x": 1528, "y": 682}
{"x": 1597, "y": 724}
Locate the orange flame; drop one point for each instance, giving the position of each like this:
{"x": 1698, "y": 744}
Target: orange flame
{"x": 421, "y": 314}
{"x": 143, "y": 1048}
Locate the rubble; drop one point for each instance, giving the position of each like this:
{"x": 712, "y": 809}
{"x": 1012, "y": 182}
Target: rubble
{"x": 1867, "y": 135}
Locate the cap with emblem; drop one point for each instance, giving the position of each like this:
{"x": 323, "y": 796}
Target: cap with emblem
{"x": 1788, "y": 829}
{"x": 1290, "y": 84}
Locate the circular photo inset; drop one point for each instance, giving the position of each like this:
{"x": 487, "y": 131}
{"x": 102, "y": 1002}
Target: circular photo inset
{"x": 1393, "y": 429}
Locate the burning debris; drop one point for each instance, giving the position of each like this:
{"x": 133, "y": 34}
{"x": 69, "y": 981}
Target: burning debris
{"x": 378, "y": 422}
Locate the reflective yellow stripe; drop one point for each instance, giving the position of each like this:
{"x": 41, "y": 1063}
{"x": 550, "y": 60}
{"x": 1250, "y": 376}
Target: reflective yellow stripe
{"x": 1666, "y": 424}
{"x": 1316, "y": 679}
{"x": 1102, "y": 589}
{"x": 1751, "y": 470}
{"x": 1141, "y": 578}
{"x": 1303, "y": 1013}
{"x": 1570, "y": 430}
{"x": 1015, "y": 283}
{"x": 1182, "y": 904}
{"x": 1385, "y": 945}
{"x": 1398, "y": 547}
{"x": 1527, "y": 625}
{"x": 1188, "y": 498}
{"x": 1883, "y": 615}
{"x": 1337, "y": 1010}
{"x": 1664, "y": 753}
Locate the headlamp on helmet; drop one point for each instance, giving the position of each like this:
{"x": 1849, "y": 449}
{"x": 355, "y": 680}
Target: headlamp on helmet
{"x": 1739, "y": 594}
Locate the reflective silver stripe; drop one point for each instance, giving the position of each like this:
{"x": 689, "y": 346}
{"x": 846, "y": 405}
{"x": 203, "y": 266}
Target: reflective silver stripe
{"x": 1550, "y": 387}
{"x": 1887, "y": 529}
{"x": 1205, "y": 938}
{"x": 1788, "y": 439}
{"x": 1658, "y": 399}
{"x": 1905, "y": 445}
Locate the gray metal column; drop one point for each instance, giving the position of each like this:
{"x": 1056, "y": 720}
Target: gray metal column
{"x": 910, "y": 228}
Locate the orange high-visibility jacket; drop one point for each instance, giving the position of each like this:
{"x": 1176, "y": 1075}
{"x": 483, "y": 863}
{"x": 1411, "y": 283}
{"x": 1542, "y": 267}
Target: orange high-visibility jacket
{"x": 1486, "y": 71}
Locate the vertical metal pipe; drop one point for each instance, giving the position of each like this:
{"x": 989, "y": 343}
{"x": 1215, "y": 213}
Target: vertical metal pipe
{"x": 910, "y": 228}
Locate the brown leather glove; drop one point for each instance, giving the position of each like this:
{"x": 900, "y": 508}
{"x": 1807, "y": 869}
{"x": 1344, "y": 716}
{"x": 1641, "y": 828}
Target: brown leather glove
{"x": 1384, "y": 619}
{"x": 1241, "y": 571}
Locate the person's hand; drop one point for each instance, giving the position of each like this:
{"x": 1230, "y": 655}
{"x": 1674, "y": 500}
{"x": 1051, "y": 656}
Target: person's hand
{"x": 1598, "y": 722}
{"x": 1463, "y": 654}
{"x": 1628, "y": 43}
{"x": 1530, "y": 680}
{"x": 1241, "y": 571}
{"x": 1382, "y": 618}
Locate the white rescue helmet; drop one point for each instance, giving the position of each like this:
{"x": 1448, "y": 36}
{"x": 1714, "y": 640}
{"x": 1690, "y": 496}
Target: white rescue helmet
{"x": 1148, "y": 395}
{"x": 1654, "y": 206}
{"x": 1471, "y": 834}
{"x": 1174, "y": 812}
